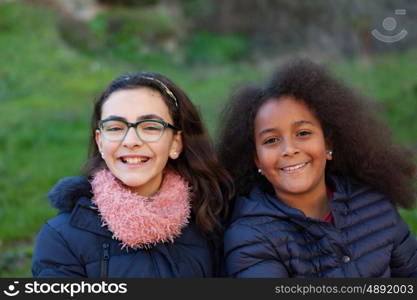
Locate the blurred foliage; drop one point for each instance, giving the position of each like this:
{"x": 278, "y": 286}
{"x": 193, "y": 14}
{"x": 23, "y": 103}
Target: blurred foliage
{"x": 129, "y": 2}
{"x": 54, "y": 68}
{"x": 209, "y": 48}
{"x": 149, "y": 34}
{"x": 133, "y": 33}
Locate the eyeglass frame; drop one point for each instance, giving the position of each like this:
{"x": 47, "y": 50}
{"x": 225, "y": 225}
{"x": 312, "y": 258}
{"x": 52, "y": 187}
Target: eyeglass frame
{"x": 135, "y": 126}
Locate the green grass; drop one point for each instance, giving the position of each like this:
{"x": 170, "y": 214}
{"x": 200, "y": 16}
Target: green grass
{"x": 46, "y": 94}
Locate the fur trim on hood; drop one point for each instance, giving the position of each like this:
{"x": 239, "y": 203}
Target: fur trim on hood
{"x": 65, "y": 194}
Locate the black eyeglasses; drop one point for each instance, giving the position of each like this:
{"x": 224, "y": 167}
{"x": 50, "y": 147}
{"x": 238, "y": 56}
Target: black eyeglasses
{"x": 116, "y": 129}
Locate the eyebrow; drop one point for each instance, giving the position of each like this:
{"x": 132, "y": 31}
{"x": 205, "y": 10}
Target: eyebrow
{"x": 295, "y": 124}
{"x": 140, "y": 118}
{"x": 302, "y": 122}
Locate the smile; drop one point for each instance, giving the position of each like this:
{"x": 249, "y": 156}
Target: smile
{"x": 295, "y": 168}
{"x": 134, "y": 160}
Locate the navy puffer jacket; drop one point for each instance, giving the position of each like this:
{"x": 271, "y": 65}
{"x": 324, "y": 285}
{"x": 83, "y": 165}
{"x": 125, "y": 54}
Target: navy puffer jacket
{"x": 74, "y": 244}
{"x": 266, "y": 238}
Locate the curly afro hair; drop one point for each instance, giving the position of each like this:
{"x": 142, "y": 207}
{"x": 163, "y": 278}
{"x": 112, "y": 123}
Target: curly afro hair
{"x": 363, "y": 148}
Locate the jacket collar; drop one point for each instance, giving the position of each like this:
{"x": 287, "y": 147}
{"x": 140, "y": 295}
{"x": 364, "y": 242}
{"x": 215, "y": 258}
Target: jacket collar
{"x": 259, "y": 202}
{"x": 73, "y": 194}
{"x": 85, "y": 216}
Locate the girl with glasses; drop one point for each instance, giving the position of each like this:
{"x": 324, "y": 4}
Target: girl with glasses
{"x": 152, "y": 195}
{"x": 318, "y": 182}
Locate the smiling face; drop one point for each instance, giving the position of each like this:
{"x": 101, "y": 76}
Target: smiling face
{"x": 290, "y": 148}
{"x": 139, "y": 165}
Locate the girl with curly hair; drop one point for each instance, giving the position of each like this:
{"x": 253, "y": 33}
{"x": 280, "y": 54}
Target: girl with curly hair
{"x": 152, "y": 196}
{"x": 318, "y": 180}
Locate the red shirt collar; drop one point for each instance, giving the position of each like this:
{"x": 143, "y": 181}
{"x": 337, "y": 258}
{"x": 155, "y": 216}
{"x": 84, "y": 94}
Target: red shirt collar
{"x": 329, "y": 216}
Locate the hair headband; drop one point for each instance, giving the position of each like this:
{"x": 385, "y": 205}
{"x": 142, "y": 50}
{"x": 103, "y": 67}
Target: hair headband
{"x": 166, "y": 89}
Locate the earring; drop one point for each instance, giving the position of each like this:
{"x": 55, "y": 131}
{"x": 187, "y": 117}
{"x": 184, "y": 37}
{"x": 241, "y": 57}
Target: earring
{"x": 260, "y": 171}
{"x": 102, "y": 155}
{"x": 330, "y": 153}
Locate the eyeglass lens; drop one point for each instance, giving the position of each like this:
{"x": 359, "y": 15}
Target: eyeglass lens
{"x": 148, "y": 131}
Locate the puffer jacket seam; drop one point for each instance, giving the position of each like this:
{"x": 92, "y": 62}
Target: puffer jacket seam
{"x": 375, "y": 230}
{"x": 247, "y": 219}
{"x": 276, "y": 250}
{"x": 259, "y": 262}
{"x": 367, "y": 217}
{"x": 356, "y": 201}
{"x": 363, "y": 220}
{"x": 373, "y": 250}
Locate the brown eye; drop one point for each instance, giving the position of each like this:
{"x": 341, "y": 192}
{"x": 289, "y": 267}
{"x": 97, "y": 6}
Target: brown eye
{"x": 304, "y": 133}
{"x": 271, "y": 141}
{"x": 113, "y": 126}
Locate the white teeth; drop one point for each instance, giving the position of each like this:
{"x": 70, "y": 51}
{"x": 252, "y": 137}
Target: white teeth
{"x": 294, "y": 167}
{"x": 134, "y": 160}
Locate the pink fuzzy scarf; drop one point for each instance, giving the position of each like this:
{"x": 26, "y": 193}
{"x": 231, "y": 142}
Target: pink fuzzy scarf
{"x": 138, "y": 221}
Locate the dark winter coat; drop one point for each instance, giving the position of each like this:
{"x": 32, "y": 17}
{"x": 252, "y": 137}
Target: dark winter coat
{"x": 74, "y": 244}
{"x": 266, "y": 238}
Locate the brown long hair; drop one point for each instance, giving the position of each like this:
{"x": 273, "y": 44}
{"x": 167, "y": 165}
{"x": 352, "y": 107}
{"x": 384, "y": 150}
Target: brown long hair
{"x": 211, "y": 185}
{"x": 363, "y": 148}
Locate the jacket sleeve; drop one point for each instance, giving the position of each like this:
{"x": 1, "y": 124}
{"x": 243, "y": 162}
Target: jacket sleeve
{"x": 248, "y": 253}
{"x": 404, "y": 254}
{"x": 52, "y": 256}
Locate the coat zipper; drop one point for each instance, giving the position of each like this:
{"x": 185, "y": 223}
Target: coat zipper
{"x": 105, "y": 261}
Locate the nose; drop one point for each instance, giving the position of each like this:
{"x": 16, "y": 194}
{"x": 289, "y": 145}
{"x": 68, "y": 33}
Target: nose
{"x": 289, "y": 147}
{"x": 131, "y": 139}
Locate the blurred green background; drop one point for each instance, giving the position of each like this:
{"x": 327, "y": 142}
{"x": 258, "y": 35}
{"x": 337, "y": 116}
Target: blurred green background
{"x": 58, "y": 55}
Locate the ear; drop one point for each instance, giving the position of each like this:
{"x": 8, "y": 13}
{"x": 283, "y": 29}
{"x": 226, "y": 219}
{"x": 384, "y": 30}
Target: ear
{"x": 329, "y": 150}
{"x": 329, "y": 154}
{"x": 176, "y": 146}
{"x": 256, "y": 161}
{"x": 98, "y": 140}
